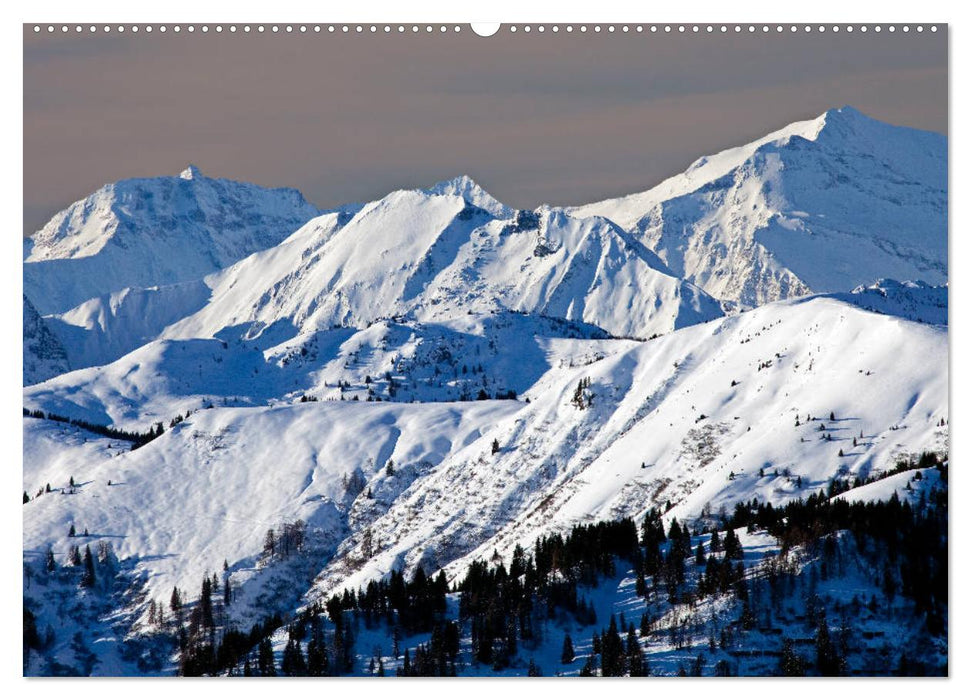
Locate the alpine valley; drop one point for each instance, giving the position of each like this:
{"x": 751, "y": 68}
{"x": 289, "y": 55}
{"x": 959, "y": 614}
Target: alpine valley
{"x": 697, "y": 430}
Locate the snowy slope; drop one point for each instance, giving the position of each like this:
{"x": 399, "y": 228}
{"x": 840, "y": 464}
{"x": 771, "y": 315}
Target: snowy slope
{"x": 917, "y": 301}
{"x": 154, "y": 231}
{"x": 819, "y": 206}
{"x": 44, "y": 354}
{"x": 105, "y": 328}
{"x": 231, "y": 473}
{"x": 208, "y": 489}
{"x": 471, "y": 357}
{"x": 433, "y": 255}
{"x": 667, "y": 424}
{"x": 907, "y": 485}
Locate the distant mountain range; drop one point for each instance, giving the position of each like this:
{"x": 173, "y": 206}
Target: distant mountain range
{"x": 434, "y": 378}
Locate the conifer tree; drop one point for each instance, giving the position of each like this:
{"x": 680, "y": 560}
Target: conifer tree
{"x": 567, "y": 655}
{"x": 635, "y": 660}
{"x": 590, "y": 666}
{"x": 317, "y": 652}
{"x": 264, "y": 660}
{"x": 88, "y": 578}
{"x": 293, "y": 663}
{"x": 790, "y": 663}
{"x": 205, "y": 604}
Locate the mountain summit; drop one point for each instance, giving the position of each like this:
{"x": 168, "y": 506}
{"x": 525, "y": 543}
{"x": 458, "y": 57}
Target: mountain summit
{"x": 465, "y": 187}
{"x": 191, "y": 173}
{"x": 819, "y": 206}
{"x": 154, "y": 231}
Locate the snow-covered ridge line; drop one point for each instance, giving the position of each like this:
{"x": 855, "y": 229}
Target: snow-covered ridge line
{"x": 147, "y": 232}
{"x": 819, "y": 206}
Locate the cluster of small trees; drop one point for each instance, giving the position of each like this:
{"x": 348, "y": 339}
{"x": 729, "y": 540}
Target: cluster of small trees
{"x": 617, "y": 657}
{"x": 136, "y": 439}
{"x": 288, "y": 539}
{"x": 506, "y": 608}
{"x": 415, "y": 606}
{"x": 437, "y": 657}
{"x": 582, "y": 396}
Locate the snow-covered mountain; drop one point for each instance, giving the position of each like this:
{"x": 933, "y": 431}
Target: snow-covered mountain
{"x": 107, "y": 327}
{"x": 154, "y": 231}
{"x": 482, "y": 356}
{"x": 431, "y": 255}
{"x": 701, "y": 418}
{"x": 434, "y": 378}
{"x": 734, "y": 409}
{"x": 917, "y": 301}
{"x": 823, "y": 205}
{"x": 44, "y": 355}
{"x": 435, "y": 254}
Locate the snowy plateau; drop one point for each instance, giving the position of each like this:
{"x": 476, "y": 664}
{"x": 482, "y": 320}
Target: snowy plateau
{"x": 697, "y": 430}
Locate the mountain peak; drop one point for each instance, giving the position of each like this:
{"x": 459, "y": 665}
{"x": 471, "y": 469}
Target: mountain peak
{"x": 191, "y": 173}
{"x": 468, "y": 189}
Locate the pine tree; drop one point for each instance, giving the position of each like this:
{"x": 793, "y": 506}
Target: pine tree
{"x": 495, "y": 446}
{"x": 534, "y": 670}
{"x": 88, "y": 577}
{"x": 293, "y": 663}
{"x": 567, "y": 655}
{"x": 205, "y": 604}
{"x": 175, "y": 602}
{"x": 26, "y": 497}
{"x": 590, "y": 666}
{"x": 264, "y": 660}
{"x": 612, "y": 651}
{"x": 72, "y": 532}
{"x": 828, "y": 662}
{"x": 635, "y": 660}
{"x": 50, "y": 564}
{"x": 790, "y": 663}
{"x": 75, "y": 556}
{"x": 317, "y": 652}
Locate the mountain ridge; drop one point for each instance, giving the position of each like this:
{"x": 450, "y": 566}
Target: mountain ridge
{"x": 752, "y": 224}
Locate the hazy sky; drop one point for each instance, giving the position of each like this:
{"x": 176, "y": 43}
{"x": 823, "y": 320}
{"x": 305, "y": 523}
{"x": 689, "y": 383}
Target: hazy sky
{"x": 555, "y": 118}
